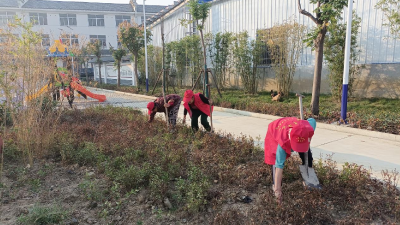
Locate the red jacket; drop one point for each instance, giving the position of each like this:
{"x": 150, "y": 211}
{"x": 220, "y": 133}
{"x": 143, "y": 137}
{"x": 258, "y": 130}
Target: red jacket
{"x": 199, "y": 104}
{"x": 278, "y": 133}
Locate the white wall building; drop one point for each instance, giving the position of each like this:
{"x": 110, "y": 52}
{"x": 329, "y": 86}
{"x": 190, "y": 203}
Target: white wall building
{"x": 76, "y": 22}
{"x": 379, "y": 50}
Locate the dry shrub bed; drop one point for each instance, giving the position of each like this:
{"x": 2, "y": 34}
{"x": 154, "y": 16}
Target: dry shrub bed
{"x": 206, "y": 176}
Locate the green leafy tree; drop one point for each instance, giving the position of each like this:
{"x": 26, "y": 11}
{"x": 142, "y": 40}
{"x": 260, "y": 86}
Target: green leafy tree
{"x": 84, "y": 58}
{"x": 247, "y": 56}
{"x": 334, "y": 53}
{"x": 154, "y": 60}
{"x": 391, "y": 10}
{"x": 118, "y": 54}
{"x": 132, "y": 38}
{"x": 325, "y": 11}
{"x": 219, "y": 49}
{"x": 94, "y": 48}
{"x": 199, "y": 12}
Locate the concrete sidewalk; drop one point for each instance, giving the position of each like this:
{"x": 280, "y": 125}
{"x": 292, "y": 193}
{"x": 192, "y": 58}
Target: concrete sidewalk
{"x": 375, "y": 150}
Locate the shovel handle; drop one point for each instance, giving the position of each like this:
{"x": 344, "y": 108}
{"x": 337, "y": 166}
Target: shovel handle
{"x": 301, "y": 105}
{"x": 166, "y": 109}
{"x": 209, "y": 98}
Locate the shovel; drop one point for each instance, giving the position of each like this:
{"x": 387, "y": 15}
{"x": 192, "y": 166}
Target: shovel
{"x": 209, "y": 97}
{"x": 310, "y": 179}
{"x": 166, "y": 109}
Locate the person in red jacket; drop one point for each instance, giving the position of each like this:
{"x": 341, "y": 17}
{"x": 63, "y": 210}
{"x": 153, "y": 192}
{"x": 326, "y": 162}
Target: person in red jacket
{"x": 284, "y": 136}
{"x": 198, "y": 106}
{"x": 173, "y": 104}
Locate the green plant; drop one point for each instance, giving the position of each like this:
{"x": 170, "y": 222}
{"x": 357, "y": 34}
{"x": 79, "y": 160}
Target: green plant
{"x": 246, "y": 58}
{"x": 35, "y": 184}
{"x": 118, "y": 55}
{"x": 334, "y": 54}
{"x": 220, "y": 46}
{"x": 91, "y": 190}
{"x": 284, "y": 44}
{"x": 95, "y": 47}
{"x": 325, "y": 12}
{"x": 42, "y": 215}
{"x": 132, "y": 38}
{"x": 390, "y": 9}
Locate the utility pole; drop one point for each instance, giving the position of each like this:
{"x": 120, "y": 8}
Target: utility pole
{"x": 347, "y": 61}
{"x": 163, "y": 54}
{"x": 145, "y": 45}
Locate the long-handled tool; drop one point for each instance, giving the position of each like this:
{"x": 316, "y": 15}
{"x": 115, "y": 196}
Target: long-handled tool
{"x": 310, "y": 178}
{"x": 166, "y": 108}
{"x": 209, "y": 98}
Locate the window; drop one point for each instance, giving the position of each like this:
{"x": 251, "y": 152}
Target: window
{"x": 120, "y": 19}
{"x": 38, "y": 18}
{"x": 96, "y": 20}
{"x": 101, "y": 38}
{"x": 68, "y": 20}
{"x": 6, "y": 17}
{"x": 70, "y": 39}
{"x": 45, "y": 40}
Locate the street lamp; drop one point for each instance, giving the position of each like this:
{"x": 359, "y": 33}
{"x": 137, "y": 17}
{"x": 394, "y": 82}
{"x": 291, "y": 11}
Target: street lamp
{"x": 145, "y": 45}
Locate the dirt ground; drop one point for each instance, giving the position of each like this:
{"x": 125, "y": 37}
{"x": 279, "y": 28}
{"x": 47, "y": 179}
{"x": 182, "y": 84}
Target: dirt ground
{"x": 52, "y": 183}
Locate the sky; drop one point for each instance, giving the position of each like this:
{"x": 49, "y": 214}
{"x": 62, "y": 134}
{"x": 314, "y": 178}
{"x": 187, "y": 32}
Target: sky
{"x": 148, "y": 2}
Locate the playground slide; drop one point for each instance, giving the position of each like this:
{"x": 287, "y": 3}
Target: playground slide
{"x": 44, "y": 89}
{"x": 78, "y": 87}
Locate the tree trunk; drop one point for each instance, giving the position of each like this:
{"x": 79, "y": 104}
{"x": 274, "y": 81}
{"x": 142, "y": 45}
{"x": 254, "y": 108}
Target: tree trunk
{"x": 100, "y": 73}
{"x": 119, "y": 75}
{"x": 205, "y": 90}
{"x": 319, "y": 57}
{"x": 136, "y": 70}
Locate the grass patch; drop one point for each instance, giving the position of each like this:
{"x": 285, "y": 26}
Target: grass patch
{"x": 42, "y": 215}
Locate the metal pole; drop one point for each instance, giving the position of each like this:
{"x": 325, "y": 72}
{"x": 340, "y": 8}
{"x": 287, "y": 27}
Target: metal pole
{"x": 145, "y": 45}
{"x": 347, "y": 61}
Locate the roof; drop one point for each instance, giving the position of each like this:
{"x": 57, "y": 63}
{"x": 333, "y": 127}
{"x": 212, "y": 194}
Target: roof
{"x": 9, "y": 3}
{"x": 87, "y": 6}
{"x": 150, "y": 8}
{"x": 165, "y": 11}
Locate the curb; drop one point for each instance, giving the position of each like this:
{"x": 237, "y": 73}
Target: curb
{"x": 338, "y": 128}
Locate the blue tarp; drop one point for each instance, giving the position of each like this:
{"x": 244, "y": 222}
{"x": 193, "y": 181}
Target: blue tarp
{"x": 204, "y": 1}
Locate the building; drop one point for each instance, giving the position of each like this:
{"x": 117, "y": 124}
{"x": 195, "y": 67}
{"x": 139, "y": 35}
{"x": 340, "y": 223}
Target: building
{"x": 379, "y": 50}
{"x": 77, "y": 22}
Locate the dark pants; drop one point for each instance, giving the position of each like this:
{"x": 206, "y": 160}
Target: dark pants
{"x": 310, "y": 162}
{"x": 196, "y": 113}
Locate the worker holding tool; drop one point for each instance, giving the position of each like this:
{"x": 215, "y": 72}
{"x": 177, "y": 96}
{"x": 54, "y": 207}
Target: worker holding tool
{"x": 284, "y": 136}
{"x": 173, "y": 104}
{"x": 198, "y": 106}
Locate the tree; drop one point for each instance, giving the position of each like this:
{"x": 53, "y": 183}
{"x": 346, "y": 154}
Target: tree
{"x": 284, "y": 44}
{"x": 391, "y": 10}
{"x": 219, "y": 49}
{"x": 199, "y": 12}
{"x": 325, "y": 11}
{"x": 247, "y": 56}
{"x": 334, "y": 54}
{"x": 94, "y": 48}
{"x": 118, "y": 55}
{"x": 132, "y": 38}
{"x": 84, "y": 58}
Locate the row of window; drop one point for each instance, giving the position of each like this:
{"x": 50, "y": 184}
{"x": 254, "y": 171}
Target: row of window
{"x": 70, "y": 19}
{"x": 73, "y": 39}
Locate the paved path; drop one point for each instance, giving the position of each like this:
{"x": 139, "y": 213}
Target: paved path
{"x": 373, "y": 150}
